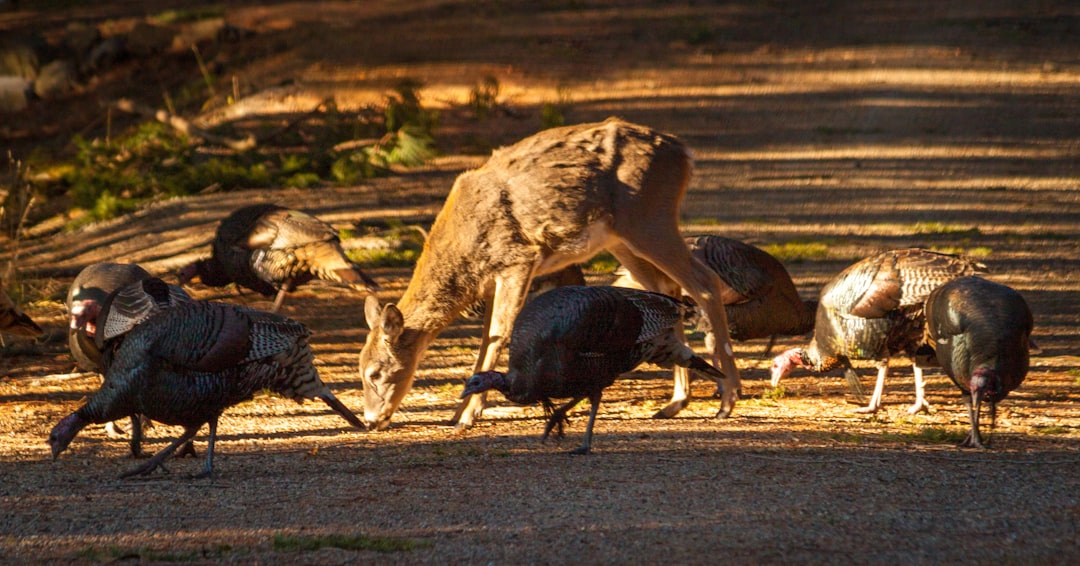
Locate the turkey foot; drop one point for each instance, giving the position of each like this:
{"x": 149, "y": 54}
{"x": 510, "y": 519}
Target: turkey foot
{"x": 159, "y": 458}
{"x": 920, "y": 406}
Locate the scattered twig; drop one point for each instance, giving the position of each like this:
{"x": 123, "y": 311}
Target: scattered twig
{"x": 320, "y": 108}
{"x": 182, "y": 125}
{"x": 59, "y": 376}
{"x": 207, "y": 77}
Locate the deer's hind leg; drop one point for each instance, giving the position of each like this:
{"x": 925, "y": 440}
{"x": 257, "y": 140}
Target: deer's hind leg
{"x": 657, "y": 281}
{"x": 511, "y": 288}
{"x": 664, "y": 248}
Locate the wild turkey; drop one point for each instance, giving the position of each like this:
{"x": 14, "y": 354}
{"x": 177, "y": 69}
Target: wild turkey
{"x": 872, "y": 310}
{"x": 85, "y": 300}
{"x": 761, "y": 300}
{"x": 13, "y": 320}
{"x": 980, "y": 332}
{"x": 574, "y": 341}
{"x": 272, "y": 250}
{"x": 185, "y": 365}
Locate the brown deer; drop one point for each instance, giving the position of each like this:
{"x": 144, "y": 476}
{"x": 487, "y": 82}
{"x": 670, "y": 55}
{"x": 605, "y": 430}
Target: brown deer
{"x": 548, "y": 201}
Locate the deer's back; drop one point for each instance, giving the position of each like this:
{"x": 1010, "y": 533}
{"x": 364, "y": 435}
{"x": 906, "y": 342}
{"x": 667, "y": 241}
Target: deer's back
{"x": 563, "y": 187}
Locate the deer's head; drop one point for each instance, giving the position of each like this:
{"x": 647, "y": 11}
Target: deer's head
{"x": 387, "y": 362}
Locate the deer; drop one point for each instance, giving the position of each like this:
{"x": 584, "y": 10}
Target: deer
{"x": 548, "y": 201}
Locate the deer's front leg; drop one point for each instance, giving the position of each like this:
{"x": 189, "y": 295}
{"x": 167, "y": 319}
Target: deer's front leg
{"x": 511, "y": 287}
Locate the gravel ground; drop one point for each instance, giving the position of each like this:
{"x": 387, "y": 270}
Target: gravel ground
{"x": 848, "y": 130}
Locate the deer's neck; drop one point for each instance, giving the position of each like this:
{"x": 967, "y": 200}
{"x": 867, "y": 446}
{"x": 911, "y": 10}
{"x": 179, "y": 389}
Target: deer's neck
{"x": 443, "y": 284}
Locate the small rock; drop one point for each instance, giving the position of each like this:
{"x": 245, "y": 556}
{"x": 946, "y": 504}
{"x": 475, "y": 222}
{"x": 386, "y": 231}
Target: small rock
{"x": 14, "y": 94}
{"x": 56, "y": 79}
{"x": 18, "y": 60}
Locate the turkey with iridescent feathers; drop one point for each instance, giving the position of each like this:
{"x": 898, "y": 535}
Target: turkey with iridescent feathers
{"x": 871, "y": 311}
{"x": 86, "y": 298}
{"x": 187, "y": 364}
{"x": 272, "y": 250}
{"x": 981, "y": 334}
{"x": 575, "y": 341}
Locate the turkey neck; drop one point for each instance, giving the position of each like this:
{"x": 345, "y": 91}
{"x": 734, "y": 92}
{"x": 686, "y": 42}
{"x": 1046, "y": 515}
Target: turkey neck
{"x": 111, "y": 402}
{"x": 211, "y": 273}
{"x": 817, "y": 362}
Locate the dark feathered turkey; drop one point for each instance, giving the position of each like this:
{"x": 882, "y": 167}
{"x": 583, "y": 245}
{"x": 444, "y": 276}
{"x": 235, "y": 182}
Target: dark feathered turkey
{"x": 272, "y": 250}
{"x": 13, "y": 320}
{"x": 575, "y": 341}
{"x": 185, "y": 365}
{"x": 86, "y": 299}
{"x": 760, "y": 299}
{"x": 871, "y": 311}
{"x": 980, "y": 332}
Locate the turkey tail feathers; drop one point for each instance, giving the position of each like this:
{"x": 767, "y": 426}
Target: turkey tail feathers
{"x": 699, "y": 365}
{"x": 355, "y": 278}
{"x": 854, "y": 385}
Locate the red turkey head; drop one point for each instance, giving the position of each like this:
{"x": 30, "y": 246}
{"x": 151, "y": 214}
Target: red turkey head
{"x": 784, "y": 363}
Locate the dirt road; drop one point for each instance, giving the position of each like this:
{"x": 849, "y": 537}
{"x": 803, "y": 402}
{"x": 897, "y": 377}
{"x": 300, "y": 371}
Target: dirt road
{"x": 828, "y": 133}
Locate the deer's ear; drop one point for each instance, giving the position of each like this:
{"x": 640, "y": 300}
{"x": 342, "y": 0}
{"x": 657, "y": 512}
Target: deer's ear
{"x": 388, "y": 319}
{"x": 393, "y": 322}
{"x": 372, "y": 311}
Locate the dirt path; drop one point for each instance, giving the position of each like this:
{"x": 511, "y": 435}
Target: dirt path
{"x": 830, "y": 134}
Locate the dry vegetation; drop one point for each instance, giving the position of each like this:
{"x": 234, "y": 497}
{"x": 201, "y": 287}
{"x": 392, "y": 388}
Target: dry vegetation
{"x": 821, "y": 133}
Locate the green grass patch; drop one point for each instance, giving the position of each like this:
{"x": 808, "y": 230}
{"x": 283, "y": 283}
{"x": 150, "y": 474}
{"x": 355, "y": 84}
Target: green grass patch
{"x": 978, "y": 251}
{"x": 484, "y": 97}
{"x": 189, "y": 15}
{"x": 108, "y": 177}
{"x": 382, "y": 257}
{"x": 934, "y": 435}
{"x": 774, "y": 393}
{"x": 285, "y": 543}
{"x": 114, "y": 553}
{"x": 797, "y": 251}
{"x": 701, "y": 221}
{"x": 602, "y": 262}
{"x": 847, "y": 438}
{"x": 759, "y": 402}
{"x": 939, "y": 228}
{"x": 404, "y": 243}
{"x": 551, "y": 116}
{"x": 1053, "y": 429}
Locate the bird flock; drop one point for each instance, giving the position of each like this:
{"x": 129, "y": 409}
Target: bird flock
{"x": 167, "y": 357}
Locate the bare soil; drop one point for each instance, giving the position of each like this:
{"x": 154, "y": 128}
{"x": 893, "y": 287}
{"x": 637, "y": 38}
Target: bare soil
{"x": 839, "y": 129}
